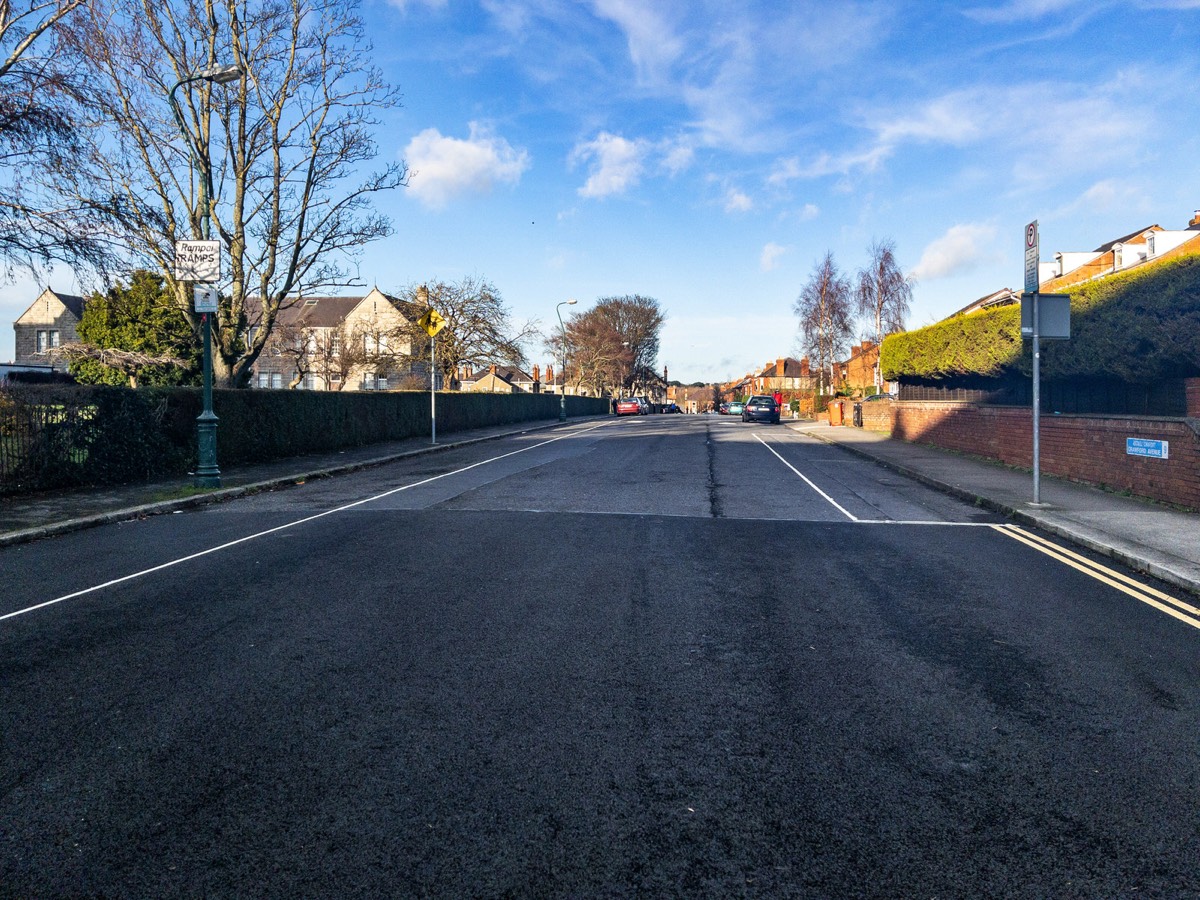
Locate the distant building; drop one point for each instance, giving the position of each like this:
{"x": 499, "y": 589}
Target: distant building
{"x": 340, "y": 343}
{"x": 49, "y": 322}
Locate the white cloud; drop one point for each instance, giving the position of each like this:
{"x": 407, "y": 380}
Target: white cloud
{"x": 809, "y": 212}
{"x": 769, "y": 259}
{"x": 446, "y": 167}
{"x": 678, "y": 157}
{"x": 1019, "y": 10}
{"x": 736, "y": 201}
{"x": 959, "y": 250}
{"x": 653, "y": 44}
{"x": 617, "y": 164}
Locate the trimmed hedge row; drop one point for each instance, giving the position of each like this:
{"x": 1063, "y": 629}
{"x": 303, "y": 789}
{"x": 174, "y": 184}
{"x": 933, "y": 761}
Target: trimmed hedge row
{"x": 68, "y": 436}
{"x": 1138, "y": 327}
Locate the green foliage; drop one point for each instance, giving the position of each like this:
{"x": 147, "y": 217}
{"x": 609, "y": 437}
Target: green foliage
{"x": 985, "y": 343}
{"x": 144, "y": 318}
{"x": 1138, "y": 327}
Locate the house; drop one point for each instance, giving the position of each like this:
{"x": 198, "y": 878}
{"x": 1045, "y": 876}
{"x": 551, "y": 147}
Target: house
{"x": 1145, "y": 247}
{"x": 340, "y": 343}
{"x": 784, "y": 375}
{"x": 497, "y": 379}
{"x": 49, "y": 322}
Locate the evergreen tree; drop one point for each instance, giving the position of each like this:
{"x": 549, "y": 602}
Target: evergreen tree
{"x": 144, "y": 320}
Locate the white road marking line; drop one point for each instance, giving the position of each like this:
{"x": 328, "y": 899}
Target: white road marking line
{"x": 250, "y": 537}
{"x": 832, "y": 502}
{"x": 1141, "y": 592}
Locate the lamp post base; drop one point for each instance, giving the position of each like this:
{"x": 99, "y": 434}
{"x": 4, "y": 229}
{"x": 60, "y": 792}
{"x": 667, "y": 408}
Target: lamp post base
{"x": 207, "y": 473}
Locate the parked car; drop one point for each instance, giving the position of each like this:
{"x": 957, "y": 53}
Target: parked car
{"x": 644, "y": 402}
{"x": 723, "y": 409}
{"x": 628, "y": 407}
{"x": 672, "y": 408}
{"x": 736, "y": 408}
{"x": 761, "y": 408}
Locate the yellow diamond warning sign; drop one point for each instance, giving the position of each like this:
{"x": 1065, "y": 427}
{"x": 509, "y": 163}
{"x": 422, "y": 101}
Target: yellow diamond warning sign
{"x": 432, "y": 322}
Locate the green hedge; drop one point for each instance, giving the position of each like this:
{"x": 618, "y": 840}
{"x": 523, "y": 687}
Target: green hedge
{"x": 1138, "y": 327}
{"x": 67, "y": 436}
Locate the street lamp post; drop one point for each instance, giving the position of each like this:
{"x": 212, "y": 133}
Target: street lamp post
{"x": 562, "y": 394}
{"x": 207, "y": 472}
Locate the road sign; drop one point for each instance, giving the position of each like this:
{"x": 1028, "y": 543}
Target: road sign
{"x": 1054, "y": 316}
{"x": 204, "y": 298}
{"x": 198, "y": 261}
{"x": 1147, "y": 448}
{"x": 1032, "y": 257}
{"x": 432, "y": 322}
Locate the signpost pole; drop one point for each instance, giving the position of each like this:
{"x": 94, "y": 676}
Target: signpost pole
{"x": 433, "y": 387}
{"x": 1037, "y": 404}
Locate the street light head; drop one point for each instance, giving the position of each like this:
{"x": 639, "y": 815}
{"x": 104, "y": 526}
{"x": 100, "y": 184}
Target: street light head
{"x": 572, "y": 302}
{"x": 221, "y": 74}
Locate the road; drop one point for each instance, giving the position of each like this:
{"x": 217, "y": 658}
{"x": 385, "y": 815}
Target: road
{"x": 661, "y": 656}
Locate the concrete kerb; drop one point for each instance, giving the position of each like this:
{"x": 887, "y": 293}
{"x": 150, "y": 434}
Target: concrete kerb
{"x": 1020, "y": 516}
{"x": 232, "y": 493}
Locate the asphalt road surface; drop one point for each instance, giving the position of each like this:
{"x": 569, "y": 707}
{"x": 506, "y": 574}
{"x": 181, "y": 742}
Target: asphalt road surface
{"x": 659, "y": 656}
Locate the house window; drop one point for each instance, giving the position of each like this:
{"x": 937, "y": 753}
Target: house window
{"x": 47, "y": 340}
{"x": 368, "y": 382}
{"x": 264, "y": 379}
{"x": 335, "y": 344}
{"x": 308, "y": 382}
{"x": 381, "y": 383}
{"x": 276, "y": 379}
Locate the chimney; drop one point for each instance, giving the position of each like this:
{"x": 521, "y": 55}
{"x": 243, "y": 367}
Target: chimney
{"x": 804, "y": 369}
{"x": 665, "y": 378}
{"x": 492, "y": 369}
{"x": 550, "y": 374}
{"x": 1195, "y": 223}
{"x": 537, "y": 373}
{"x": 780, "y": 367}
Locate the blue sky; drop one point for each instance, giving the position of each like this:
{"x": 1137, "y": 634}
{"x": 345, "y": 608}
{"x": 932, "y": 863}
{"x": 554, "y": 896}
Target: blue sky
{"x": 708, "y": 153}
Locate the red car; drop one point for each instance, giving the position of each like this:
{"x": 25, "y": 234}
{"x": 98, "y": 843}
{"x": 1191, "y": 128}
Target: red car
{"x": 628, "y": 407}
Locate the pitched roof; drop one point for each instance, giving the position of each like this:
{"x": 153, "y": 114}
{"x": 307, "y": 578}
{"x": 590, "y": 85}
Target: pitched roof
{"x": 791, "y": 369}
{"x": 73, "y": 302}
{"x": 507, "y": 373}
{"x": 1140, "y": 233}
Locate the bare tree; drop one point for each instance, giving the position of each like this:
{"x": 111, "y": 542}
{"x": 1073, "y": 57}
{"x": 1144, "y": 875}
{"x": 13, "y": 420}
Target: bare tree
{"x": 597, "y": 357}
{"x": 882, "y": 291}
{"x": 825, "y": 319}
{"x": 638, "y": 321}
{"x": 282, "y": 147}
{"x": 38, "y": 133}
{"x": 479, "y": 327}
{"x": 130, "y": 363}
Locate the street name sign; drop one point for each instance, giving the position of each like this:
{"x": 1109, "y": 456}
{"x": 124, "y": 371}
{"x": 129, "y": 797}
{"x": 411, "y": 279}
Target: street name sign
{"x": 198, "y": 261}
{"x": 1147, "y": 448}
{"x": 1032, "y": 257}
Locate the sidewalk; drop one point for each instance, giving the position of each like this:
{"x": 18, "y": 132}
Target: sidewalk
{"x": 29, "y": 518}
{"x": 1152, "y": 538}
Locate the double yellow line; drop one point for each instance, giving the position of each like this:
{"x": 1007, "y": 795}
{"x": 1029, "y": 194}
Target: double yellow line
{"x": 1184, "y": 612}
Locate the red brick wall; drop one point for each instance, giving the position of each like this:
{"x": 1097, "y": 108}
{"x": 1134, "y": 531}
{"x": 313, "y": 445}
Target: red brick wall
{"x": 1193, "y": 397}
{"x": 1083, "y": 448}
{"x": 877, "y": 415}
